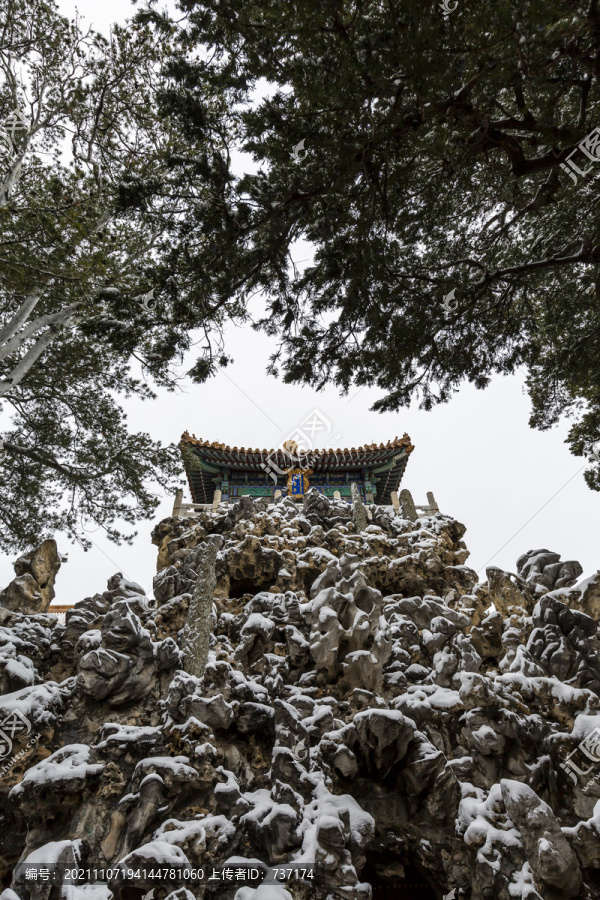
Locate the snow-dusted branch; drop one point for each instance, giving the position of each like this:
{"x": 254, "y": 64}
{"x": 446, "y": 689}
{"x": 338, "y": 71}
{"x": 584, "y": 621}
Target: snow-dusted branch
{"x": 58, "y": 318}
{"x": 30, "y": 358}
{"x": 18, "y": 320}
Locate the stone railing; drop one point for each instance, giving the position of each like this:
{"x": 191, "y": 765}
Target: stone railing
{"x": 404, "y": 500}
{"x": 60, "y": 611}
{"x": 409, "y": 510}
{"x": 181, "y": 509}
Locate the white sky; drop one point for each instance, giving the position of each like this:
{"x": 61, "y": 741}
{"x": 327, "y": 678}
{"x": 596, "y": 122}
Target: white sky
{"x": 485, "y": 466}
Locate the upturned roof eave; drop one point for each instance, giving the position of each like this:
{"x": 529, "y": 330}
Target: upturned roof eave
{"x": 375, "y": 454}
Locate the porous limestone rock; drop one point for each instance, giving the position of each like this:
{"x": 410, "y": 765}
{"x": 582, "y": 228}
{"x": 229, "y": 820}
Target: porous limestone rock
{"x": 543, "y": 571}
{"x": 125, "y": 666}
{"x": 546, "y": 848}
{"x": 365, "y": 704}
{"x": 32, "y": 591}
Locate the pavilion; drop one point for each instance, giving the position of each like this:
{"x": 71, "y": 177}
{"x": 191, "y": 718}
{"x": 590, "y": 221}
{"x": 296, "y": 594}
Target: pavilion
{"x": 377, "y": 469}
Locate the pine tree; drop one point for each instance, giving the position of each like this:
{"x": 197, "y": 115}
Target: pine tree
{"x": 97, "y": 296}
{"x": 425, "y": 154}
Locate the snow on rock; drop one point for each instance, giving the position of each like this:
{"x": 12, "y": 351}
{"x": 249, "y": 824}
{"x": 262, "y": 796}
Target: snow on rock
{"x": 54, "y": 852}
{"x": 39, "y": 704}
{"x": 263, "y": 892}
{"x": 368, "y": 705}
{"x": 68, "y": 766}
{"x": 548, "y": 852}
{"x": 158, "y": 853}
{"x": 95, "y": 891}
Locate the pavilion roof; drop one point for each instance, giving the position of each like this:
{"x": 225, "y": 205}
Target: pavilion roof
{"x": 249, "y": 460}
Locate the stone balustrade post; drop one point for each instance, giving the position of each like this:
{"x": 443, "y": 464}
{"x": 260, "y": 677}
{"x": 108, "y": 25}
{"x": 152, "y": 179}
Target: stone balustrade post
{"x": 196, "y": 632}
{"x": 408, "y": 505}
{"x": 432, "y": 504}
{"x": 178, "y": 502}
{"x": 359, "y": 513}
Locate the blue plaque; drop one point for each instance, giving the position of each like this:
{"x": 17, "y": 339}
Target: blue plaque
{"x": 298, "y": 484}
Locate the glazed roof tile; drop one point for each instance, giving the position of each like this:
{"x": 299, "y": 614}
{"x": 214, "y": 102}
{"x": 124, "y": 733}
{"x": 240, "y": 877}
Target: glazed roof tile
{"x": 402, "y": 443}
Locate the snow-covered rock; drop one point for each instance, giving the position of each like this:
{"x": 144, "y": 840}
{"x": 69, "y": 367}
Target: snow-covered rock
{"x": 367, "y": 705}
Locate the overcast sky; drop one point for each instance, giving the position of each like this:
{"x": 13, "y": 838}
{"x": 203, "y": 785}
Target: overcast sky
{"x": 515, "y": 489}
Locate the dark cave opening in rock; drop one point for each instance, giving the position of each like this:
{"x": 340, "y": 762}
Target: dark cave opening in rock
{"x": 382, "y": 872}
{"x": 237, "y": 589}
